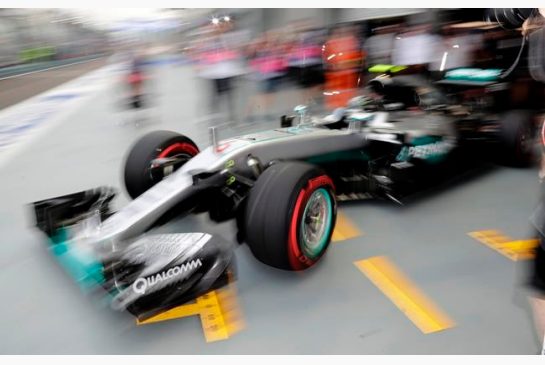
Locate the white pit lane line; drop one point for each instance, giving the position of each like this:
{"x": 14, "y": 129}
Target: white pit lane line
{"x": 24, "y": 122}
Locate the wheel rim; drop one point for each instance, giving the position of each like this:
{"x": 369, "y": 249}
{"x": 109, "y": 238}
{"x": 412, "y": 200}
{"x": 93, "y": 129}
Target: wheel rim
{"x": 183, "y": 151}
{"x": 316, "y": 223}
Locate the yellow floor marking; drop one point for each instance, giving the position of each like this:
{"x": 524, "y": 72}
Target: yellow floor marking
{"x": 405, "y": 295}
{"x": 213, "y": 323}
{"x": 218, "y": 310}
{"x": 344, "y": 229}
{"x": 230, "y": 309}
{"x": 513, "y": 249}
{"x": 185, "y": 310}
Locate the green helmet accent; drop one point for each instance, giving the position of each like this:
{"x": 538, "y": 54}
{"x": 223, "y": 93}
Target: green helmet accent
{"x": 386, "y": 68}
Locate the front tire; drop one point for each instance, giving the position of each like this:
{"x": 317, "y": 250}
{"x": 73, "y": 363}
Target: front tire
{"x": 290, "y": 215}
{"x": 139, "y": 175}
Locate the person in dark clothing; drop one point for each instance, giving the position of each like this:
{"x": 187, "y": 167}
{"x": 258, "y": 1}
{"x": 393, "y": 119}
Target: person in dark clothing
{"x": 135, "y": 79}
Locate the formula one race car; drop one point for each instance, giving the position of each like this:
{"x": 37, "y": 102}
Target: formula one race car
{"x": 281, "y": 186}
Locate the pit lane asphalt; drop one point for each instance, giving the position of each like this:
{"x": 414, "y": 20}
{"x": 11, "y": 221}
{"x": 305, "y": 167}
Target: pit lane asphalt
{"x": 331, "y": 309}
{"x": 17, "y": 88}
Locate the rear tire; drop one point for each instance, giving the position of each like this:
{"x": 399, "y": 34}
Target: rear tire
{"x": 290, "y": 215}
{"x": 138, "y": 175}
{"x": 516, "y": 137}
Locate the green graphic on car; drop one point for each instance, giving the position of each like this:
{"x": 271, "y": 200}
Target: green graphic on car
{"x": 431, "y": 149}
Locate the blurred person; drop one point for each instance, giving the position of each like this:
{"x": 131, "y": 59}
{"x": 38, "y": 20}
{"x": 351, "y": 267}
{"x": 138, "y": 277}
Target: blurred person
{"x": 536, "y": 25}
{"x": 537, "y": 273}
{"x": 417, "y": 48}
{"x": 537, "y": 282}
{"x": 343, "y": 58}
{"x": 269, "y": 65}
{"x": 305, "y": 62}
{"x": 135, "y": 83}
{"x": 457, "y": 48}
{"x": 220, "y": 61}
{"x": 135, "y": 80}
{"x": 379, "y": 46}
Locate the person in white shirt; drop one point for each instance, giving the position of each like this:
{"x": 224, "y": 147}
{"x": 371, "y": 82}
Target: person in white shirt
{"x": 417, "y": 47}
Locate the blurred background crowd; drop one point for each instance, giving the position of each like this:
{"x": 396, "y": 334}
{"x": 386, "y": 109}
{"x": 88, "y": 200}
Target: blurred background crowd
{"x": 257, "y": 63}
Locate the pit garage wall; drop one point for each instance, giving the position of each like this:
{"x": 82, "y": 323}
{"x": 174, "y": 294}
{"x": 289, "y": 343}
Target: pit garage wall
{"x": 353, "y": 15}
{"x": 276, "y": 18}
{"x": 257, "y": 21}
